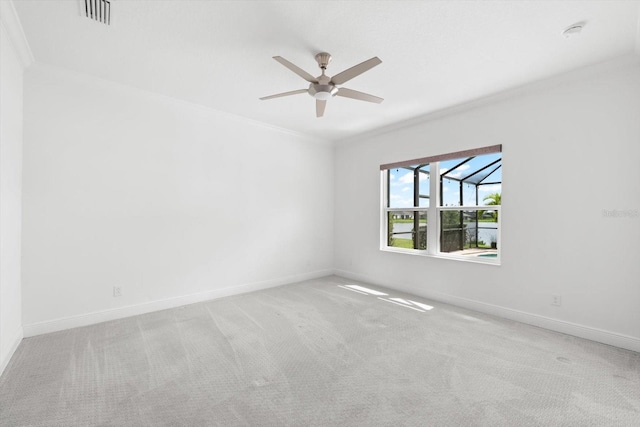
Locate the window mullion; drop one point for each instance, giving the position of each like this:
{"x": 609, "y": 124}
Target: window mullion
{"x": 416, "y": 203}
{"x": 433, "y": 227}
{"x": 384, "y": 196}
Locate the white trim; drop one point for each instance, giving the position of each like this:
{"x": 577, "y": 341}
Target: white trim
{"x": 469, "y": 208}
{"x": 86, "y": 319}
{"x": 13, "y": 29}
{"x": 444, "y": 255}
{"x": 384, "y": 231}
{"x": 557, "y": 325}
{"x": 409, "y": 208}
{"x": 14, "y": 346}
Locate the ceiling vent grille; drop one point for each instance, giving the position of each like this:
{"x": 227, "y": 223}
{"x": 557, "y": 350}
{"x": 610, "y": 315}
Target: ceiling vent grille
{"x": 98, "y": 10}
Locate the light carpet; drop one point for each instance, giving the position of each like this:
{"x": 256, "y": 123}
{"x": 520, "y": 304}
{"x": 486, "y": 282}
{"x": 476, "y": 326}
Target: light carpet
{"x": 325, "y": 352}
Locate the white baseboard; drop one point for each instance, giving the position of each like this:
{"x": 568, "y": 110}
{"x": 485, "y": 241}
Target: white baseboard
{"x": 61, "y": 324}
{"x": 587, "y": 332}
{"x": 14, "y": 346}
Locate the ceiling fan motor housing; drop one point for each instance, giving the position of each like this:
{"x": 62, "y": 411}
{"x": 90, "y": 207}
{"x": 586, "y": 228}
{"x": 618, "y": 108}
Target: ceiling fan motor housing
{"x": 323, "y": 89}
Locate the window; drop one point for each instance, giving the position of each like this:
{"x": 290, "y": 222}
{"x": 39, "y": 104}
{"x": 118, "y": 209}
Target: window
{"x": 447, "y": 205}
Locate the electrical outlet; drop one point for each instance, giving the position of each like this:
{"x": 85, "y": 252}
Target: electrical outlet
{"x": 556, "y": 300}
{"x": 117, "y": 291}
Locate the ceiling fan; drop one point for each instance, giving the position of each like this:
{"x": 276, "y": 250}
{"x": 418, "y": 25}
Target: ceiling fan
{"x": 324, "y": 87}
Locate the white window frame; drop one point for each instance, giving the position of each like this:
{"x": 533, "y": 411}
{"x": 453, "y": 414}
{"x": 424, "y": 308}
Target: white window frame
{"x": 433, "y": 215}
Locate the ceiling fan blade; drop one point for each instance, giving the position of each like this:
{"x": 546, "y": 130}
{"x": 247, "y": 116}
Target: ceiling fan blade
{"x": 278, "y": 95}
{"x": 349, "y": 93}
{"x": 299, "y": 71}
{"x": 320, "y": 105}
{"x": 355, "y": 71}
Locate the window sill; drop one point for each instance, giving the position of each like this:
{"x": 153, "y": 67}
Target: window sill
{"x": 464, "y": 258}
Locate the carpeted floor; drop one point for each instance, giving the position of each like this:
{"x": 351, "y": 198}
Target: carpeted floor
{"x": 318, "y": 353}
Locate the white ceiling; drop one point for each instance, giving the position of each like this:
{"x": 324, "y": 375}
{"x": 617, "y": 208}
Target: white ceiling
{"x": 436, "y": 54}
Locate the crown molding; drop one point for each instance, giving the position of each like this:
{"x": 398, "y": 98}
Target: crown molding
{"x": 12, "y": 27}
{"x": 112, "y": 84}
{"x": 587, "y": 71}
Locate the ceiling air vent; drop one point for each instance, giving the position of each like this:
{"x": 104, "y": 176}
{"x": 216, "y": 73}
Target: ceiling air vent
{"x": 98, "y": 10}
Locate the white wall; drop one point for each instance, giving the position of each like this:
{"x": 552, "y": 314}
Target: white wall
{"x": 11, "y": 70}
{"x": 570, "y": 147}
{"x": 175, "y": 203}
{"x": 172, "y": 202}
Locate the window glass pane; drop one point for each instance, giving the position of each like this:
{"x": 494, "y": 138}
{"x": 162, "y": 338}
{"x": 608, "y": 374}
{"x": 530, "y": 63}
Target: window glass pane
{"x": 424, "y": 186}
{"x": 469, "y": 232}
{"x": 401, "y": 186}
{"x": 472, "y": 181}
{"x": 402, "y": 226}
{"x": 490, "y": 195}
{"x": 470, "y": 196}
{"x": 450, "y": 192}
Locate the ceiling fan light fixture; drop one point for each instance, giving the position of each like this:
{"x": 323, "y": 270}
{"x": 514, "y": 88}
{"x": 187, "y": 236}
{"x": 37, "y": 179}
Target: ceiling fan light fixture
{"x": 322, "y": 96}
{"x": 322, "y": 92}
